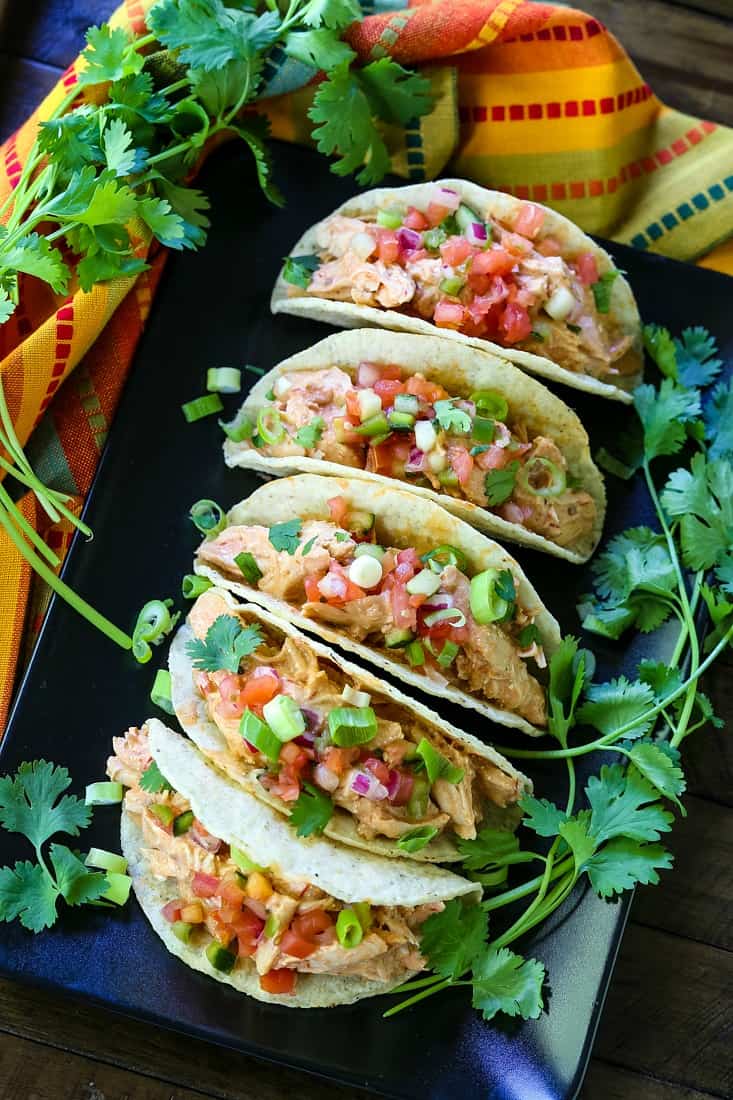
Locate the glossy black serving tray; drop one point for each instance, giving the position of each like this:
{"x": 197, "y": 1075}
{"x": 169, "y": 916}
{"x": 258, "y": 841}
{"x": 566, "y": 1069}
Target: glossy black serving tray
{"x": 213, "y": 309}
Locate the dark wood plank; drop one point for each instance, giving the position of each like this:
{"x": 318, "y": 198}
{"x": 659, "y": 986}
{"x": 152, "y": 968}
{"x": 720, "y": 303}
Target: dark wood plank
{"x": 695, "y": 899}
{"x": 669, "y": 1013}
{"x": 24, "y": 85}
{"x": 606, "y": 1082}
{"x": 684, "y": 54}
{"x": 57, "y": 1022}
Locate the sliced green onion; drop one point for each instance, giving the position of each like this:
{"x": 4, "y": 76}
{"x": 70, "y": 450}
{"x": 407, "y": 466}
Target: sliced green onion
{"x": 453, "y": 285}
{"x": 208, "y": 517}
{"x": 542, "y": 468}
{"x": 370, "y": 549}
{"x": 374, "y": 426}
{"x": 103, "y": 794}
{"x": 354, "y": 697}
{"x": 415, "y": 654}
{"x": 220, "y": 958}
{"x": 452, "y": 615}
{"x": 491, "y": 404}
{"x": 224, "y": 379}
{"x": 348, "y": 928}
{"x": 397, "y": 638}
{"x": 118, "y": 888}
{"x": 406, "y": 403}
{"x": 181, "y": 930}
{"x": 389, "y": 219}
{"x": 448, "y": 477}
{"x": 401, "y": 422}
{"x": 238, "y": 429}
{"x": 284, "y": 717}
{"x": 182, "y": 823}
{"x": 153, "y": 623}
{"x": 201, "y": 407}
{"x": 486, "y": 605}
{"x": 377, "y": 440}
{"x": 106, "y": 861}
{"x": 417, "y": 839}
{"x": 249, "y": 568}
{"x": 417, "y": 803}
{"x": 363, "y": 911}
{"x": 350, "y": 726}
{"x": 424, "y": 583}
{"x": 444, "y": 555}
{"x": 447, "y": 655}
{"x": 436, "y": 765}
{"x": 434, "y": 238}
{"x": 160, "y": 693}
{"x": 192, "y": 586}
{"x": 272, "y": 926}
{"x": 269, "y": 425}
{"x": 243, "y": 862}
{"x": 254, "y": 730}
{"x": 483, "y": 430}
{"x": 163, "y": 812}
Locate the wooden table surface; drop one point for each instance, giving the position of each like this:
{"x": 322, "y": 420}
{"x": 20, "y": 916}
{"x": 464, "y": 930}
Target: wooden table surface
{"x": 666, "y": 1030}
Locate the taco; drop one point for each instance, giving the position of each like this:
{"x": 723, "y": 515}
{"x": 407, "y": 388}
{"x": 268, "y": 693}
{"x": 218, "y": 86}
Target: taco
{"x": 235, "y": 894}
{"x": 397, "y": 580}
{"x": 457, "y": 425}
{"x": 303, "y": 729}
{"x": 479, "y": 267}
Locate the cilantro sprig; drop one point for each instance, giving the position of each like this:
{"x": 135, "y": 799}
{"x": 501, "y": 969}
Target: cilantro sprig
{"x": 226, "y": 645}
{"x": 33, "y": 803}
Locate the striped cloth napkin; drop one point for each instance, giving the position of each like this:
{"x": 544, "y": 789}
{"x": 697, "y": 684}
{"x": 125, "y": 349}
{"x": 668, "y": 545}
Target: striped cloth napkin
{"x": 537, "y": 100}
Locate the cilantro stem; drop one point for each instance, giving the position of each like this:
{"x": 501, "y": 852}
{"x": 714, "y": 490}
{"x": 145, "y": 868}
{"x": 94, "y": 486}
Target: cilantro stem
{"x": 419, "y": 983}
{"x": 421, "y": 996}
{"x": 519, "y": 923}
{"x": 519, "y": 892}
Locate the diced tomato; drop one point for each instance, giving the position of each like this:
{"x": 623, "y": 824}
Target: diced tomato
{"x": 496, "y": 458}
{"x": 219, "y": 928}
{"x": 294, "y": 756}
{"x": 201, "y": 836}
{"x": 404, "y": 615}
{"x": 418, "y": 600}
{"x": 205, "y": 886}
{"x": 403, "y": 792}
{"x": 172, "y": 911}
{"x": 587, "y": 268}
{"x": 388, "y": 246}
{"x": 232, "y": 894}
{"x": 285, "y": 786}
{"x": 293, "y": 944}
{"x": 428, "y": 391}
{"x": 338, "y": 760}
{"x": 278, "y": 981}
{"x": 436, "y": 213}
{"x": 549, "y": 246}
{"x": 338, "y": 509}
{"x": 495, "y": 261}
{"x": 461, "y": 463}
{"x": 312, "y": 924}
{"x": 248, "y": 928}
{"x": 449, "y": 314}
{"x": 389, "y": 458}
{"x": 353, "y": 408}
{"x": 515, "y": 323}
{"x": 515, "y": 243}
{"x": 414, "y": 219}
{"x": 455, "y": 251}
{"x": 260, "y": 690}
{"x": 388, "y": 370}
{"x": 312, "y": 591}
{"x": 378, "y": 769}
{"x": 530, "y": 220}
{"x": 409, "y": 556}
{"x": 387, "y": 389}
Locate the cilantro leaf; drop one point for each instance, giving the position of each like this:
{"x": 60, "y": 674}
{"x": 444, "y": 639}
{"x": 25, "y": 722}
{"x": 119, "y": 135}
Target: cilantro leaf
{"x": 505, "y": 982}
{"x": 602, "y": 290}
{"x": 120, "y": 154}
{"x": 335, "y": 14}
{"x": 311, "y": 812}
{"x": 453, "y": 939}
{"x": 153, "y": 781}
{"x": 163, "y": 222}
{"x": 71, "y": 141}
{"x": 7, "y": 306}
{"x": 660, "y": 346}
{"x": 225, "y": 646}
{"x": 695, "y": 363}
{"x": 718, "y": 417}
{"x": 284, "y": 536}
{"x": 189, "y": 204}
{"x": 662, "y": 679}
{"x": 94, "y": 200}
{"x": 636, "y": 558}
{"x": 395, "y": 95}
{"x": 663, "y": 414}
{"x": 611, "y": 706}
{"x": 495, "y": 847}
{"x": 345, "y": 126}
{"x": 658, "y": 762}
{"x": 98, "y": 266}
{"x": 254, "y": 133}
{"x": 541, "y": 816}
{"x": 569, "y": 670}
{"x": 619, "y": 802}
{"x": 109, "y": 55}
{"x": 623, "y": 862}
{"x": 575, "y": 833}
{"x": 703, "y": 497}
{"x": 450, "y": 418}
{"x": 309, "y": 435}
{"x": 209, "y": 34}
{"x": 75, "y": 882}
{"x": 499, "y": 484}
{"x": 528, "y": 635}
{"x": 319, "y": 48}
{"x": 33, "y": 255}
{"x": 299, "y": 269}
{"x": 28, "y": 803}
{"x": 27, "y": 893}
{"x": 221, "y": 88}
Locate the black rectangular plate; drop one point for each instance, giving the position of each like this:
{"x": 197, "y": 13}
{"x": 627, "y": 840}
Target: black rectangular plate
{"x": 213, "y": 310}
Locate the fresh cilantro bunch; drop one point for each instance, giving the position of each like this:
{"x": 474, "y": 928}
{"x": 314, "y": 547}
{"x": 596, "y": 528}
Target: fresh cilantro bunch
{"x": 226, "y": 645}
{"x": 33, "y": 803}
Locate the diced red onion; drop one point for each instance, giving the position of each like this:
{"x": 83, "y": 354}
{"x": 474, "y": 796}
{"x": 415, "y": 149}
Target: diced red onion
{"x": 313, "y": 720}
{"x": 325, "y": 778}
{"x": 367, "y": 374}
{"x": 467, "y": 407}
{"x": 409, "y": 240}
{"x": 502, "y": 435}
{"x": 476, "y": 234}
{"x": 368, "y": 786}
{"x": 306, "y": 740}
{"x": 265, "y": 670}
{"x": 447, "y": 197}
{"x": 440, "y": 600}
{"x": 257, "y": 907}
{"x": 400, "y": 787}
{"x": 416, "y": 462}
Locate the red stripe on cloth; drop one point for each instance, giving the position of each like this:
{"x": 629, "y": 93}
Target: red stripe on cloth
{"x": 64, "y": 314}
{"x": 571, "y": 108}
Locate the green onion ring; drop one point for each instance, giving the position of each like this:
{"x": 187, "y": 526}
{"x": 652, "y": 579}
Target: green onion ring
{"x": 445, "y": 555}
{"x": 490, "y": 404}
{"x": 348, "y": 928}
{"x": 208, "y": 517}
{"x": 557, "y": 484}
{"x": 453, "y": 615}
{"x": 192, "y": 586}
{"x": 269, "y": 425}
